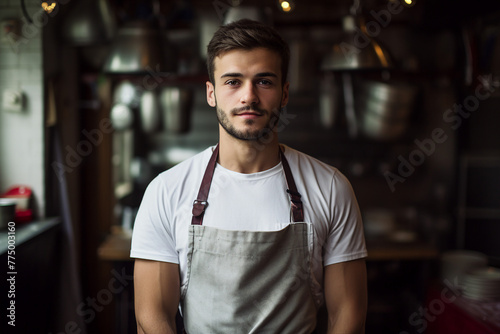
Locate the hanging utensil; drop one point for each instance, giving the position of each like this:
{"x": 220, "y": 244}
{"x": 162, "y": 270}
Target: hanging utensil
{"x": 122, "y": 117}
{"x": 176, "y": 105}
{"x": 149, "y": 112}
{"x": 329, "y": 101}
{"x": 352, "y": 123}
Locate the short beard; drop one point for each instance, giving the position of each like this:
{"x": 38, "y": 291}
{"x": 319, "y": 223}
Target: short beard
{"x": 248, "y": 135}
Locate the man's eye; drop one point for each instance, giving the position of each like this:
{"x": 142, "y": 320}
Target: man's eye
{"x": 265, "y": 82}
{"x": 231, "y": 82}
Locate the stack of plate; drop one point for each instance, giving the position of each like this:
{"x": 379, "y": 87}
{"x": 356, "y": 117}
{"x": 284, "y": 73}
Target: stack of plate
{"x": 482, "y": 284}
{"x": 455, "y": 264}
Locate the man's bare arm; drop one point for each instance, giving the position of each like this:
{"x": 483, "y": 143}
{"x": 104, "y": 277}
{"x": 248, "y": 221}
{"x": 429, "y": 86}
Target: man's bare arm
{"x": 346, "y": 297}
{"x": 156, "y": 294}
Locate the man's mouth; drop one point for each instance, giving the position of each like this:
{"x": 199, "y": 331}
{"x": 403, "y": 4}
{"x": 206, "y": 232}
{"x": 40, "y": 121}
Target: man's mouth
{"x": 248, "y": 113}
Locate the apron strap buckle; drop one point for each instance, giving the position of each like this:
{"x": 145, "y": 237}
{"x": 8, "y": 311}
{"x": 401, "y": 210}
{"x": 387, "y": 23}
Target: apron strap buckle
{"x": 200, "y": 203}
{"x": 296, "y": 203}
{"x": 294, "y": 195}
{"x": 297, "y": 212}
{"x": 199, "y": 207}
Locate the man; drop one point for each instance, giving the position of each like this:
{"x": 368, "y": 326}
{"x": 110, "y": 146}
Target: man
{"x": 249, "y": 236}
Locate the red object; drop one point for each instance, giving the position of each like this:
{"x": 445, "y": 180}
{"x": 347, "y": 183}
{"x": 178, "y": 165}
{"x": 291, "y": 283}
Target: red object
{"x": 462, "y": 316}
{"x": 24, "y": 216}
{"x": 18, "y": 191}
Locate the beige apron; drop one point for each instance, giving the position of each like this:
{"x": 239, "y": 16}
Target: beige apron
{"x": 245, "y": 281}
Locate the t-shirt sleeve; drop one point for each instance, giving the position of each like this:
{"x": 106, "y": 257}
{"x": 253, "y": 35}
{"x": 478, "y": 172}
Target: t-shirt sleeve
{"x": 153, "y": 237}
{"x": 345, "y": 240}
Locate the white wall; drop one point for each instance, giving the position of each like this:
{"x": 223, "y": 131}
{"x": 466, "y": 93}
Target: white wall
{"x": 22, "y": 134}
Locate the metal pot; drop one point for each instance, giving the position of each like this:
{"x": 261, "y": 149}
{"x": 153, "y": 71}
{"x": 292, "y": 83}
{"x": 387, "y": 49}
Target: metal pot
{"x": 390, "y": 94}
{"x": 89, "y": 23}
{"x": 382, "y": 128}
{"x": 344, "y": 56}
{"x": 384, "y": 109}
{"x": 7, "y": 212}
{"x": 137, "y": 49}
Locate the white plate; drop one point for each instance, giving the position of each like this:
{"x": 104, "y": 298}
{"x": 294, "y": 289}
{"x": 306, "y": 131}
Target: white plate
{"x": 482, "y": 297}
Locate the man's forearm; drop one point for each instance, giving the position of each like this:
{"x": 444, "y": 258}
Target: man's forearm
{"x": 347, "y": 322}
{"x": 156, "y": 296}
{"x": 161, "y": 327}
{"x": 346, "y": 297}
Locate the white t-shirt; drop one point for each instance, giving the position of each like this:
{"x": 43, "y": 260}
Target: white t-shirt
{"x": 251, "y": 202}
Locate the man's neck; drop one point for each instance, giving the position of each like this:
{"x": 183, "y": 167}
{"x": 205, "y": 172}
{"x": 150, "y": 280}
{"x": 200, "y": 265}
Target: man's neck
{"x": 248, "y": 156}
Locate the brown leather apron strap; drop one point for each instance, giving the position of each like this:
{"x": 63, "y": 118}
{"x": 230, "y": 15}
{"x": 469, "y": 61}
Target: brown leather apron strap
{"x": 200, "y": 204}
{"x": 296, "y": 202}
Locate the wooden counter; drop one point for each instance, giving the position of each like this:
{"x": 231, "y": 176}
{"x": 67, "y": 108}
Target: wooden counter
{"x": 390, "y": 250}
{"x": 116, "y": 246}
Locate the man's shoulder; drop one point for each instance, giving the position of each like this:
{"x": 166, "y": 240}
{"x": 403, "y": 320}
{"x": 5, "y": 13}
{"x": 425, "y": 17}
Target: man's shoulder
{"x": 304, "y": 161}
{"x": 312, "y": 172}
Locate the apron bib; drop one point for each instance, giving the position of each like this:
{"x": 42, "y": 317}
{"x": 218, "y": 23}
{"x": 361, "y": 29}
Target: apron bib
{"x": 248, "y": 281}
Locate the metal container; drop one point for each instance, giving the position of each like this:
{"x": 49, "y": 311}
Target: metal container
{"x": 138, "y": 48}
{"x": 7, "y": 212}
{"x": 122, "y": 117}
{"x": 348, "y": 54}
{"x": 89, "y": 23}
{"x": 384, "y": 108}
{"x": 330, "y": 95}
{"x": 176, "y": 104}
{"x": 392, "y": 94}
{"x": 382, "y": 128}
{"x": 149, "y": 112}
{"x": 235, "y": 13}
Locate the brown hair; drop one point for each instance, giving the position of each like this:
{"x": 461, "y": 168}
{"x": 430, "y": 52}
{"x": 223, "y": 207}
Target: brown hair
{"x": 247, "y": 34}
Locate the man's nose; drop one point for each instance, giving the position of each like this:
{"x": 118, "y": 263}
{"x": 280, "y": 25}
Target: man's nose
{"x": 249, "y": 94}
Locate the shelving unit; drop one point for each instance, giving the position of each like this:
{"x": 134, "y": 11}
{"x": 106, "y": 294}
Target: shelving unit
{"x": 479, "y": 207}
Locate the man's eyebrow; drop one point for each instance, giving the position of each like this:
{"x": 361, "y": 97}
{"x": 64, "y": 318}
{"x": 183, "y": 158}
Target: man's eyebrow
{"x": 266, "y": 74}
{"x": 258, "y": 75}
{"x": 233, "y": 74}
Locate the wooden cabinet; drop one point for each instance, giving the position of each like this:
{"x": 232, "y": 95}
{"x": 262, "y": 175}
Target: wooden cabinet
{"x": 33, "y": 278}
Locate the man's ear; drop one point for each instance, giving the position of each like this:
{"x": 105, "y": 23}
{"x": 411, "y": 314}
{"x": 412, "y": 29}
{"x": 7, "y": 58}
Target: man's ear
{"x": 211, "y": 94}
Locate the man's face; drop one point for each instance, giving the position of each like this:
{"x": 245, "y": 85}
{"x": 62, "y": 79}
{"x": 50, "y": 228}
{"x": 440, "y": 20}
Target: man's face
{"x": 247, "y": 92}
